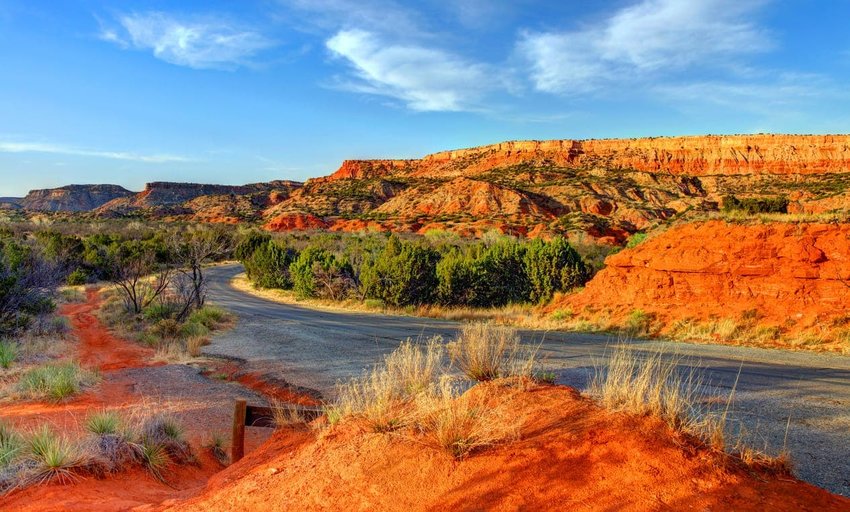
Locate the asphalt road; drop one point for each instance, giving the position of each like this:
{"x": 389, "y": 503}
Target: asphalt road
{"x": 318, "y": 348}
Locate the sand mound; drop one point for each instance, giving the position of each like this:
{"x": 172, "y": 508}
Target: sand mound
{"x": 570, "y": 455}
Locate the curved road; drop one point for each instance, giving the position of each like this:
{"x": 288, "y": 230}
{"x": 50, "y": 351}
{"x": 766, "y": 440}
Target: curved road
{"x": 317, "y": 348}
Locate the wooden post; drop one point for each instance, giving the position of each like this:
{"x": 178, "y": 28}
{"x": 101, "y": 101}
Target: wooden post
{"x": 237, "y": 440}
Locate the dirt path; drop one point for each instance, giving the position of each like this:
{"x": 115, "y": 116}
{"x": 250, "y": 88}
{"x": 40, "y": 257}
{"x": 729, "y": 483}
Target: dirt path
{"x": 133, "y": 384}
{"x": 98, "y": 348}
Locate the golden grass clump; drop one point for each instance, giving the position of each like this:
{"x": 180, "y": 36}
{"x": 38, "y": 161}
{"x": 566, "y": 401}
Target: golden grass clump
{"x": 460, "y": 422}
{"x": 483, "y": 352}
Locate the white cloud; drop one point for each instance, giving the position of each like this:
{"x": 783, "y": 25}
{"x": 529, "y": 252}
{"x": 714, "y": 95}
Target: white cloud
{"x": 199, "y": 43}
{"x": 644, "y": 39}
{"x": 384, "y": 16}
{"x": 425, "y": 79}
{"x": 38, "y": 147}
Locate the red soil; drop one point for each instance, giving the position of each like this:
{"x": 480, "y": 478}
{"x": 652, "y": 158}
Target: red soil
{"x": 97, "y": 347}
{"x": 795, "y": 276}
{"x": 570, "y": 455}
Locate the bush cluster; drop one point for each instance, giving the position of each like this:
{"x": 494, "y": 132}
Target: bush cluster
{"x": 754, "y": 205}
{"x": 400, "y": 272}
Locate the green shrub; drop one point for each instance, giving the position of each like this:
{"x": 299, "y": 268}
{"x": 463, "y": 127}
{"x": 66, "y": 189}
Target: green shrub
{"x": 268, "y": 265}
{"x": 78, "y": 277}
{"x": 55, "y": 381}
{"x": 754, "y": 205}
{"x": 403, "y": 273}
{"x": 210, "y": 317}
{"x": 250, "y": 243}
{"x": 318, "y": 273}
{"x": 8, "y": 353}
{"x": 635, "y": 240}
{"x": 553, "y": 267}
{"x": 166, "y": 329}
{"x": 459, "y": 279}
{"x": 639, "y": 323}
{"x": 160, "y": 311}
{"x": 193, "y": 329}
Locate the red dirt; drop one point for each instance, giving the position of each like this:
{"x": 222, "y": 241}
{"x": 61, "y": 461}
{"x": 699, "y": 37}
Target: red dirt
{"x": 570, "y": 455}
{"x": 792, "y": 276}
{"x": 98, "y": 348}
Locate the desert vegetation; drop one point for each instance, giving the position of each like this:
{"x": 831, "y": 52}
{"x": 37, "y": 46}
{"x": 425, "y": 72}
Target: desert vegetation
{"x": 440, "y": 393}
{"x": 112, "y": 443}
{"x": 401, "y": 272}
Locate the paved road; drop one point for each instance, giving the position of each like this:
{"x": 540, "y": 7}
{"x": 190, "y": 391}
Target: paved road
{"x": 317, "y": 348}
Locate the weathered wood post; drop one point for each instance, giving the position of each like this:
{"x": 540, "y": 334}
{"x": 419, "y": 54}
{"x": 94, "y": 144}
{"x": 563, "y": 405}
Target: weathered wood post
{"x": 237, "y": 440}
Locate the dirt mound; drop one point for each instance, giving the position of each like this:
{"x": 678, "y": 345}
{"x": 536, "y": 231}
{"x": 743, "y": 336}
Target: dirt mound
{"x": 792, "y": 277}
{"x": 570, "y": 455}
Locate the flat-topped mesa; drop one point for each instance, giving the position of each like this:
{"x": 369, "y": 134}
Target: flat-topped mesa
{"x": 689, "y": 155}
{"x": 73, "y": 198}
{"x": 366, "y": 169}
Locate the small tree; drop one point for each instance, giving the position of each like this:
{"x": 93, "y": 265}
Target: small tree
{"x": 191, "y": 251}
{"x": 553, "y": 267}
{"x": 404, "y": 273}
{"x": 136, "y": 272}
{"x": 268, "y": 265}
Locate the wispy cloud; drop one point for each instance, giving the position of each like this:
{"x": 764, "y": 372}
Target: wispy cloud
{"x": 38, "y": 147}
{"x": 649, "y": 38}
{"x": 424, "y": 79}
{"x": 200, "y": 43}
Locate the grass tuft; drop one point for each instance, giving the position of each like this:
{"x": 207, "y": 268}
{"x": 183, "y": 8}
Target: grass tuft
{"x": 484, "y": 352}
{"x": 56, "y": 456}
{"x": 56, "y": 381}
{"x": 104, "y": 423}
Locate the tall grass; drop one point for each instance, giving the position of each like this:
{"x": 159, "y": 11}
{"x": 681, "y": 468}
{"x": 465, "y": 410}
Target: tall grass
{"x": 651, "y": 384}
{"x": 104, "y": 423}
{"x": 55, "y": 381}
{"x": 413, "y": 389}
{"x": 483, "y": 352}
{"x": 8, "y": 354}
{"x": 382, "y": 395}
{"x": 11, "y": 445}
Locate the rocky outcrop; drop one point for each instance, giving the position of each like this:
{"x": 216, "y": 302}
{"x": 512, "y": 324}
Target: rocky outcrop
{"x": 73, "y": 198}
{"x": 192, "y": 199}
{"x": 793, "y": 277}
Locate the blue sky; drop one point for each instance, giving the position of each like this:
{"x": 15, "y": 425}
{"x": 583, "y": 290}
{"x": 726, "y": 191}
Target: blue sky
{"x": 252, "y": 90}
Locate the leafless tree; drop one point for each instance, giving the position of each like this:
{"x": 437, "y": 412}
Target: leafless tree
{"x": 192, "y": 250}
{"x": 141, "y": 279}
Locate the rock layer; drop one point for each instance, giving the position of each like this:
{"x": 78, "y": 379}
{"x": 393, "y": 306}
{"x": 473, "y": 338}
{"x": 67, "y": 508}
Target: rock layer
{"x": 792, "y": 276}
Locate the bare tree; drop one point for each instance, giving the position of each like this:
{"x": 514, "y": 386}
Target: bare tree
{"x": 192, "y": 250}
{"x": 141, "y": 279}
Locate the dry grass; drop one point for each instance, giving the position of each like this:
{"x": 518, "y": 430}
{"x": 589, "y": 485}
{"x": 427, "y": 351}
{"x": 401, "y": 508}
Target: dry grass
{"x": 460, "y": 422}
{"x": 413, "y": 390}
{"x": 652, "y": 384}
{"x": 287, "y": 415}
{"x": 484, "y": 352}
